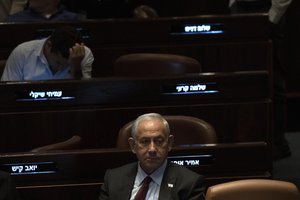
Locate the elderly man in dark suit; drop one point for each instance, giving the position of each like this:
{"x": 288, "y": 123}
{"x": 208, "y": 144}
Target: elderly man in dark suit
{"x": 151, "y": 141}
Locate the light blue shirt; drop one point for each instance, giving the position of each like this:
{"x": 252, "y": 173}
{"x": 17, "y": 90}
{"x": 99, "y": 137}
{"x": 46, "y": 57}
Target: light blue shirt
{"x": 154, "y": 186}
{"x": 28, "y": 62}
{"x": 278, "y": 9}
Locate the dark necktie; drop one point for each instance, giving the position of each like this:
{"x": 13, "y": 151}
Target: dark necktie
{"x": 141, "y": 194}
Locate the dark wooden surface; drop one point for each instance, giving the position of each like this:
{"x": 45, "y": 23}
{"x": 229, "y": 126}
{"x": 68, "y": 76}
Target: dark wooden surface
{"x": 240, "y": 111}
{"x": 241, "y": 47}
{"x": 95, "y": 9}
{"x": 79, "y": 174}
{"x": 292, "y": 31}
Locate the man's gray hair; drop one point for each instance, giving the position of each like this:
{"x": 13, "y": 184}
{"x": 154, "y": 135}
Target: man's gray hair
{"x": 149, "y": 116}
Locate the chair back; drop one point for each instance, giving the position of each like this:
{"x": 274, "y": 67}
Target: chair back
{"x": 253, "y": 189}
{"x": 155, "y": 65}
{"x": 187, "y": 131}
{"x": 71, "y": 143}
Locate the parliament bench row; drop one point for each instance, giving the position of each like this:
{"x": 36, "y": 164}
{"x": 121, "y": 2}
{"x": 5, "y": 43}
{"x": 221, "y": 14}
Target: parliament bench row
{"x": 238, "y": 105}
{"x": 95, "y": 9}
{"x": 221, "y": 43}
{"x": 79, "y": 174}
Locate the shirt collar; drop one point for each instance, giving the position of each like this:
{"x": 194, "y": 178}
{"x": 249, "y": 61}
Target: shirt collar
{"x": 40, "y": 51}
{"x": 156, "y": 176}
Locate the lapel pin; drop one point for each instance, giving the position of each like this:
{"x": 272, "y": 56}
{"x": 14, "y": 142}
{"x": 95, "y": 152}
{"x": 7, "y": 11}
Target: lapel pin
{"x": 170, "y": 185}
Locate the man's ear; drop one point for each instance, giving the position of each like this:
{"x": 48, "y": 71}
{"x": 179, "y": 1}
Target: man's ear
{"x": 170, "y": 142}
{"x": 132, "y": 144}
{"x": 48, "y": 46}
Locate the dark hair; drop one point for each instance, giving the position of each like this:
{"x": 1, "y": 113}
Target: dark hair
{"x": 62, "y": 39}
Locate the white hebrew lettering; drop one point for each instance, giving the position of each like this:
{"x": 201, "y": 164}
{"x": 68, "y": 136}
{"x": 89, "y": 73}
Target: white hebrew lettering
{"x": 192, "y": 162}
{"x": 203, "y": 28}
{"x": 17, "y": 168}
{"x": 197, "y": 87}
{"x": 188, "y": 29}
{"x": 37, "y": 94}
{"x": 54, "y": 93}
{"x": 182, "y": 88}
{"x": 30, "y": 167}
{"x": 178, "y": 162}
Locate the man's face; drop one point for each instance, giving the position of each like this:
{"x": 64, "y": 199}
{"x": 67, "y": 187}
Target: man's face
{"x": 55, "y": 60}
{"x": 151, "y": 144}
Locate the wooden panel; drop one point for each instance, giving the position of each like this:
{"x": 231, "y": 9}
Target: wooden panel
{"x": 238, "y": 105}
{"x": 83, "y": 171}
{"x": 239, "y": 46}
{"x": 124, "y": 8}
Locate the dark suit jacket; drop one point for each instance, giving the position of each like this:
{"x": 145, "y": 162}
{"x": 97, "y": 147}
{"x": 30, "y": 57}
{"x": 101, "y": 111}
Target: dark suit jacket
{"x": 187, "y": 185}
{"x": 7, "y": 188}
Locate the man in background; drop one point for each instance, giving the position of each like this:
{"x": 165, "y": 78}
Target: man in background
{"x": 277, "y": 17}
{"x": 60, "y": 56}
{"x": 276, "y": 10}
{"x": 5, "y": 6}
{"x": 44, "y": 10}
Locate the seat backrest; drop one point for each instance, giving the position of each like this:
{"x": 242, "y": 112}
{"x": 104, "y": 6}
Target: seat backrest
{"x": 253, "y": 189}
{"x": 187, "y": 131}
{"x": 155, "y": 65}
{"x": 71, "y": 143}
{"x": 145, "y": 12}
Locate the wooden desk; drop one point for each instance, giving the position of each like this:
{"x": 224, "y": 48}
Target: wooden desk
{"x": 94, "y": 9}
{"x": 237, "y": 104}
{"x": 79, "y": 174}
{"x": 233, "y": 42}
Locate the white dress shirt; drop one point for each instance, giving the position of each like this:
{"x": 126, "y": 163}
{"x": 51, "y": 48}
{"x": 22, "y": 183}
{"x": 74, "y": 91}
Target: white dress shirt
{"x": 154, "y": 186}
{"x": 278, "y": 9}
{"x": 28, "y": 62}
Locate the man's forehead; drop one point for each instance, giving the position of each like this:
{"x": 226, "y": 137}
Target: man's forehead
{"x": 151, "y": 124}
{"x": 151, "y": 128}
{"x": 151, "y": 134}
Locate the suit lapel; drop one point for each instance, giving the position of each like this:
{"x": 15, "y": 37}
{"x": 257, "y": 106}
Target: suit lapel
{"x": 129, "y": 178}
{"x": 167, "y": 184}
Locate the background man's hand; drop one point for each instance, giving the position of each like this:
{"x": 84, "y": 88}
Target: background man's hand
{"x": 77, "y": 53}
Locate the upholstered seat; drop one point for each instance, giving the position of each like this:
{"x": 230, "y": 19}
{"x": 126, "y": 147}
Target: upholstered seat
{"x": 253, "y": 189}
{"x": 72, "y": 143}
{"x": 145, "y": 12}
{"x": 187, "y": 131}
{"x": 154, "y": 65}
